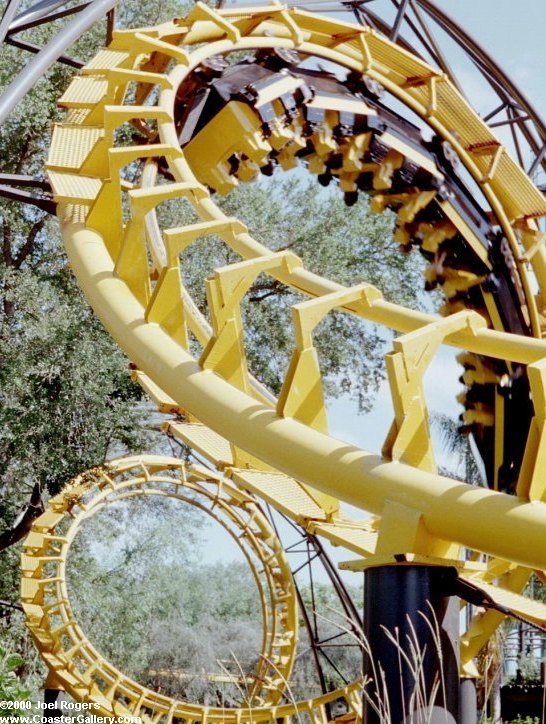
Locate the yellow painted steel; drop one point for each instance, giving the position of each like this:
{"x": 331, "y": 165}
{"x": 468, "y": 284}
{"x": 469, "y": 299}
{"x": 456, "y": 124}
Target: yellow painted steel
{"x": 74, "y": 661}
{"x": 514, "y": 530}
{"x": 280, "y": 450}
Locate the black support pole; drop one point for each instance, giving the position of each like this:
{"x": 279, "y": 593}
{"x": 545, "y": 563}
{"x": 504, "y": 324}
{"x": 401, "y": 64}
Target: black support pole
{"x": 51, "y": 698}
{"x": 417, "y": 678}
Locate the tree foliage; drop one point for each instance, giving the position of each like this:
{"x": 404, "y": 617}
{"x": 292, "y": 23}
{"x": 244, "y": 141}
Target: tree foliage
{"x": 186, "y": 617}
{"x": 66, "y": 402}
{"x": 11, "y": 688}
{"x": 346, "y": 245}
{"x": 151, "y": 602}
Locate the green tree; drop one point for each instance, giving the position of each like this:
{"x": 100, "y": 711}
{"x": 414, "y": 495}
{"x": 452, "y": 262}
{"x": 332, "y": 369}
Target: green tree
{"x": 461, "y": 463}
{"x": 186, "y": 618}
{"x": 11, "y": 686}
{"x": 65, "y": 398}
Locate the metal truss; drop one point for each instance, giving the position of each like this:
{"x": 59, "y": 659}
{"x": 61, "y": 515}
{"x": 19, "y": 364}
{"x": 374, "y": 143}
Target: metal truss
{"x": 12, "y": 25}
{"x": 309, "y": 552}
{"x": 420, "y": 25}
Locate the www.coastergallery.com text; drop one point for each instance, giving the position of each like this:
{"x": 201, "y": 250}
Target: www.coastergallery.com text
{"x": 29, "y": 712}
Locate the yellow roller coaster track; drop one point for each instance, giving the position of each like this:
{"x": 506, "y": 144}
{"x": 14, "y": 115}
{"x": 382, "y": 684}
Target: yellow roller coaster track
{"x": 280, "y": 450}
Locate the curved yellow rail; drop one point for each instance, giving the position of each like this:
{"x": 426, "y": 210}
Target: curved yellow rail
{"x": 81, "y": 669}
{"x": 280, "y": 450}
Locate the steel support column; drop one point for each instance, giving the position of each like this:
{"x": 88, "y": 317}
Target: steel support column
{"x": 411, "y": 625}
{"x": 36, "y": 67}
{"x": 468, "y": 706}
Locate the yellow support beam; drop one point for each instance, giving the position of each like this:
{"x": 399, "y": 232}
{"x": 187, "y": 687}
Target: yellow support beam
{"x": 409, "y": 438}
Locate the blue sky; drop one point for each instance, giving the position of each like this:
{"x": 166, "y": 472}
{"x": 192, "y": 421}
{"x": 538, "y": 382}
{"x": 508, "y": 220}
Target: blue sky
{"x": 513, "y": 33}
